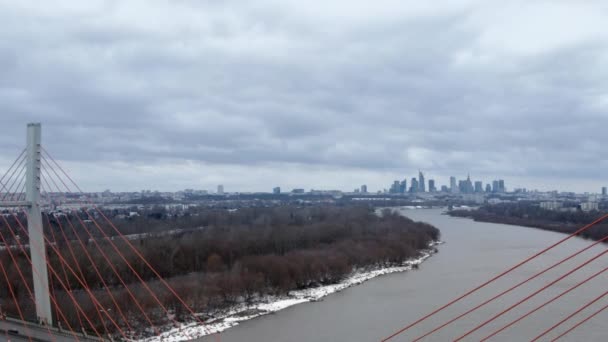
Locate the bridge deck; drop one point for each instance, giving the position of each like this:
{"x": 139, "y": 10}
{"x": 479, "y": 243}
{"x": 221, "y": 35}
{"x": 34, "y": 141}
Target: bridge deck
{"x": 38, "y": 334}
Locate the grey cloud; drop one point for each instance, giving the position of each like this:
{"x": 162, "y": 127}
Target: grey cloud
{"x": 377, "y": 89}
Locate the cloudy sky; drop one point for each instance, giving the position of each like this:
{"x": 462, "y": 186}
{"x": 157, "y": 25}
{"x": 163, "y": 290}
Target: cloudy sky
{"x": 315, "y": 94}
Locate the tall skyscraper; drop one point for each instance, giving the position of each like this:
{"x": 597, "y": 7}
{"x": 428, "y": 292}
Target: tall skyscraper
{"x": 421, "y": 184}
{"x": 495, "y": 187}
{"x": 488, "y": 188}
{"x": 415, "y": 187}
{"x": 468, "y": 185}
{"x": 363, "y": 189}
{"x": 453, "y": 187}
{"x": 403, "y": 186}
{"x": 432, "y": 187}
{"x": 478, "y": 186}
{"x": 604, "y": 191}
{"x": 220, "y": 189}
{"x": 395, "y": 187}
{"x": 462, "y": 186}
{"x": 501, "y": 186}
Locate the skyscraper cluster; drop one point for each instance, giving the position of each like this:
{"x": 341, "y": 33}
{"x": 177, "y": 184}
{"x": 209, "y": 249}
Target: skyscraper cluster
{"x": 416, "y": 185}
{"x": 466, "y": 186}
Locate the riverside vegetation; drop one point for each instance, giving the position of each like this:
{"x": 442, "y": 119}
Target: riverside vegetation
{"x": 238, "y": 256}
{"x": 529, "y": 214}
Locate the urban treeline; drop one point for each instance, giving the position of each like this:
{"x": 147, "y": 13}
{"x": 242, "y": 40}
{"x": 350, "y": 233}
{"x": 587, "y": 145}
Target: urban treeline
{"x": 239, "y": 256}
{"x": 531, "y": 214}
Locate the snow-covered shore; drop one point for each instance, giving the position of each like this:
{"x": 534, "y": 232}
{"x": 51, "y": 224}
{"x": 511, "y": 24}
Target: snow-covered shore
{"x": 272, "y": 304}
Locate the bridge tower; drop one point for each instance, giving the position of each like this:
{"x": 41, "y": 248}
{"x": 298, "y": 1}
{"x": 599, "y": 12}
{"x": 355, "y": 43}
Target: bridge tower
{"x": 34, "y": 224}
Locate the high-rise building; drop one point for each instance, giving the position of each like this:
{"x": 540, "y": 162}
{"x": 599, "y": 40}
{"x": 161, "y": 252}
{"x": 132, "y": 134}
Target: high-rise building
{"x": 363, "y": 189}
{"x": 220, "y": 189}
{"x": 444, "y": 188}
{"x": 403, "y": 187}
{"x": 488, "y": 188}
{"x": 469, "y": 185}
{"x": 478, "y": 186}
{"x": 276, "y": 190}
{"x": 395, "y": 187}
{"x": 466, "y": 186}
{"x": 421, "y": 184}
{"x": 495, "y": 187}
{"x": 453, "y": 187}
{"x": 501, "y": 186}
{"x": 432, "y": 187}
{"x": 462, "y": 186}
{"x": 604, "y": 191}
{"x": 414, "y": 187}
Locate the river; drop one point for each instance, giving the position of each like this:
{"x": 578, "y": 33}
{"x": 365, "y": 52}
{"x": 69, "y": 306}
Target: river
{"x": 473, "y": 253}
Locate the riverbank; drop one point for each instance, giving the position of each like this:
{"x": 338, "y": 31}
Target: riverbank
{"x": 272, "y": 304}
{"x": 530, "y": 215}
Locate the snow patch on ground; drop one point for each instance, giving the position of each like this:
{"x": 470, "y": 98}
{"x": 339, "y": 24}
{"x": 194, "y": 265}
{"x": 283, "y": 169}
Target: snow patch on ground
{"x": 271, "y": 304}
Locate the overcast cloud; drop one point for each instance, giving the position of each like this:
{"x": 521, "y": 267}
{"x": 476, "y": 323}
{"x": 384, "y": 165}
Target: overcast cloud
{"x": 315, "y": 94}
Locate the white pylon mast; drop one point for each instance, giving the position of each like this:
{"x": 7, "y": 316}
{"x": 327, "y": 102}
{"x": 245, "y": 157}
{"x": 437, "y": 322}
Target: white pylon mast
{"x": 34, "y": 224}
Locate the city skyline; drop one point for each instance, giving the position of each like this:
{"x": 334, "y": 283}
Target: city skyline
{"x": 254, "y": 95}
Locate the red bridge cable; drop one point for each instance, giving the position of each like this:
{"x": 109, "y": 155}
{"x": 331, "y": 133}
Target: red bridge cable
{"x": 67, "y": 280}
{"x": 137, "y": 275}
{"x": 54, "y": 272}
{"x": 16, "y": 301}
{"x": 109, "y": 263}
{"x": 581, "y": 323}
{"x": 65, "y": 274}
{"x": 194, "y": 315}
{"x": 597, "y": 299}
{"x": 77, "y": 264}
{"x": 530, "y": 296}
{"x": 96, "y": 302}
{"x": 14, "y": 260}
{"x": 402, "y": 330}
{"x": 528, "y": 314}
{"x": 34, "y": 271}
{"x": 126, "y": 241}
{"x": 123, "y": 282}
{"x": 21, "y": 159}
{"x": 510, "y": 289}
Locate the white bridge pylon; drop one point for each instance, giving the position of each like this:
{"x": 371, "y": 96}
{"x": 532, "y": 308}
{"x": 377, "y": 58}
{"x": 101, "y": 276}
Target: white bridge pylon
{"x": 34, "y": 223}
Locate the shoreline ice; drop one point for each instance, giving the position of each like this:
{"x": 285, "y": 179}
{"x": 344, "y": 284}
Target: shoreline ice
{"x": 271, "y": 304}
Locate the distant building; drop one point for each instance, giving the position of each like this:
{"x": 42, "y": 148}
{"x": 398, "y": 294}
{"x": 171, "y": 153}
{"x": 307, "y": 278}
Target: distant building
{"x": 589, "y": 206}
{"x": 432, "y": 187}
{"x": 220, "y": 189}
{"x": 363, "y": 189}
{"x": 501, "y": 186}
{"x": 495, "y": 187}
{"x": 414, "y": 187}
{"x": 478, "y": 186}
{"x": 276, "y": 190}
{"x": 604, "y": 191}
{"x": 421, "y": 184}
{"x": 444, "y": 188}
{"x": 298, "y": 191}
{"x": 488, "y": 188}
{"x": 552, "y": 205}
{"x": 453, "y": 187}
{"x": 395, "y": 187}
{"x": 403, "y": 187}
{"x": 466, "y": 186}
